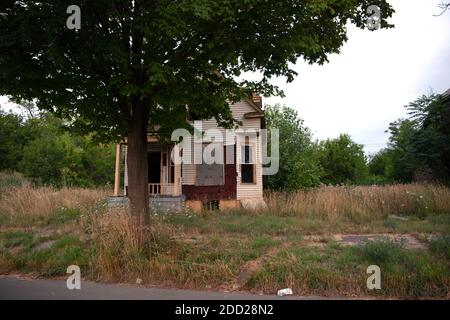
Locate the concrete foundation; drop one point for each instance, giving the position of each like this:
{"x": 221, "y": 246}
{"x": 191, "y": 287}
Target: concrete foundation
{"x": 254, "y": 204}
{"x": 194, "y": 205}
{"x": 160, "y": 203}
{"x": 229, "y": 204}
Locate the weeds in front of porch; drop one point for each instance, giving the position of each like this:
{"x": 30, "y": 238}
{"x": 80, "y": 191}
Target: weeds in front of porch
{"x": 163, "y": 258}
{"x": 208, "y": 250}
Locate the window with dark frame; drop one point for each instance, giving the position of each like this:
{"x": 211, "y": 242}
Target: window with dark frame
{"x": 172, "y": 172}
{"x": 247, "y": 164}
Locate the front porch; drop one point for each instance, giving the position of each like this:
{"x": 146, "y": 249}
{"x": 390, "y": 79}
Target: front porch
{"x": 164, "y": 176}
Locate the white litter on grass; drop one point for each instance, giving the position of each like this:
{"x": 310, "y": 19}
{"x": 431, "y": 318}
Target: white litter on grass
{"x": 138, "y": 281}
{"x": 285, "y": 292}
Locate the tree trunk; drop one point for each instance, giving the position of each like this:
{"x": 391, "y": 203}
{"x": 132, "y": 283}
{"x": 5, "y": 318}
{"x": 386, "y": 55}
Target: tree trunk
{"x": 137, "y": 165}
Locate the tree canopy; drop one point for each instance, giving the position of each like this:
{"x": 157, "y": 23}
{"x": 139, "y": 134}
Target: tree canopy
{"x": 419, "y": 146}
{"x": 135, "y": 63}
{"x": 169, "y": 53}
{"x": 43, "y": 150}
{"x": 299, "y": 166}
{"x": 343, "y": 160}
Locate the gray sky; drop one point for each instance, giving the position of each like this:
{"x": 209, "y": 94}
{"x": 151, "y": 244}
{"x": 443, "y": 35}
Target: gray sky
{"x": 366, "y": 86}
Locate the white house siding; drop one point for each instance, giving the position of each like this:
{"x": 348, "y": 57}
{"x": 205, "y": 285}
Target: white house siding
{"x": 239, "y": 109}
{"x": 244, "y": 191}
{"x": 247, "y": 190}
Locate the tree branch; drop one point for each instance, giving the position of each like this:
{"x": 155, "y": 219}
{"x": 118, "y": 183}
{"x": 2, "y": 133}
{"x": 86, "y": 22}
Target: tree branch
{"x": 444, "y": 7}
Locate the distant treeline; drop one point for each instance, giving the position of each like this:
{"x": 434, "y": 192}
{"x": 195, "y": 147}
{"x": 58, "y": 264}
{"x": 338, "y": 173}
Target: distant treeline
{"x": 419, "y": 147}
{"x": 43, "y": 149}
{"x": 418, "y": 150}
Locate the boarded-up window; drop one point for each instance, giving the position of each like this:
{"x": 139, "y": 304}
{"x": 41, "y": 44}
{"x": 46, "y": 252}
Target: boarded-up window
{"x": 210, "y": 174}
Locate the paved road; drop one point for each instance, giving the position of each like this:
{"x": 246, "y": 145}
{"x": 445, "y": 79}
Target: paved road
{"x": 39, "y": 289}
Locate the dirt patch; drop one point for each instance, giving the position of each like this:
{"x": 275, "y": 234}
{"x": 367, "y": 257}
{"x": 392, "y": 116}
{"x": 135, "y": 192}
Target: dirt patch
{"x": 318, "y": 241}
{"x": 250, "y": 268}
{"x": 45, "y": 245}
{"x": 16, "y": 249}
{"x": 407, "y": 240}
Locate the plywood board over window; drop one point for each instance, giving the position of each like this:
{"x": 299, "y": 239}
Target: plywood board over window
{"x": 210, "y": 174}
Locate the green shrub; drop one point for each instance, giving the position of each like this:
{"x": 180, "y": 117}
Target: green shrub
{"x": 440, "y": 246}
{"x": 382, "y": 252}
{"x": 63, "y": 215}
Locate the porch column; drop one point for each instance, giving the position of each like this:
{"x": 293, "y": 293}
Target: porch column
{"x": 117, "y": 171}
{"x": 176, "y": 180}
{"x": 125, "y": 170}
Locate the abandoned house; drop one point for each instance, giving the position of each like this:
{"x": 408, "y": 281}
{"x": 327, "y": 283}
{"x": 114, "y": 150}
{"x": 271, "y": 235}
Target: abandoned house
{"x": 235, "y": 182}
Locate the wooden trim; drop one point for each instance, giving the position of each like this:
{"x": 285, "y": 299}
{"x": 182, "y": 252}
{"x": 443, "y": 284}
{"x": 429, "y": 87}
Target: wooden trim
{"x": 254, "y": 105}
{"x": 176, "y": 180}
{"x": 254, "y": 160}
{"x": 125, "y": 171}
{"x": 117, "y": 171}
{"x": 253, "y": 115}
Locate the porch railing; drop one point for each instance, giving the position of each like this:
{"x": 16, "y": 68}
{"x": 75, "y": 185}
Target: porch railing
{"x": 161, "y": 188}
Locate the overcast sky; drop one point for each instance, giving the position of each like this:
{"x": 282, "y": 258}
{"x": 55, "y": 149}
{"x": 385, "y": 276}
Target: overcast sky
{"x": 366, "y": 86}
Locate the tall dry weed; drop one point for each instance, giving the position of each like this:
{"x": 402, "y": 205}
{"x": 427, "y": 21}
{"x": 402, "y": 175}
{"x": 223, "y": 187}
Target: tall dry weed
{"x": 121, "y": 251}
{"x": 29, "y": 200}
{"x": 400, "y": 199}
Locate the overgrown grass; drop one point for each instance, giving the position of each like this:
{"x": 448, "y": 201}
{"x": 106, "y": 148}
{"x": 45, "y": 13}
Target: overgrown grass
{"x": 44, "y": 230}
{"x": 47, "y": 261}
{"x": 337, "y": 270}
{"x": 28, "y": 205}
{"x": 11, "y": 179}
{"x": 166, "y": 259}
{"x": 250, "y": 223}
{"x": 418, "y": 200}
{"x": 440, "y": 246}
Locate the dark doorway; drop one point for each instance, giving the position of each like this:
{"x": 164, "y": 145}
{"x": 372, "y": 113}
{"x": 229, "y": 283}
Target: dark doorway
{"x": 154, "y": 163}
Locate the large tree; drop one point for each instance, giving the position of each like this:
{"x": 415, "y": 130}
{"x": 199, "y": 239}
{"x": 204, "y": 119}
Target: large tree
{"x": 135, "y": 63}
{"x": 420, "y": 144}
{"x": 342, "y": 160}
{"x": 299, "y": 165}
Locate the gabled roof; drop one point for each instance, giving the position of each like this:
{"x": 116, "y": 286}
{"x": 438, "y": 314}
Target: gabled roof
{"x": 446, "y": 93}
{"x": 254, "y": 106}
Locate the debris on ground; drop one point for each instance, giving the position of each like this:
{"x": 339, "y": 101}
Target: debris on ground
{"x": 285, "y": 292}
{"x": 397, "y": 217}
